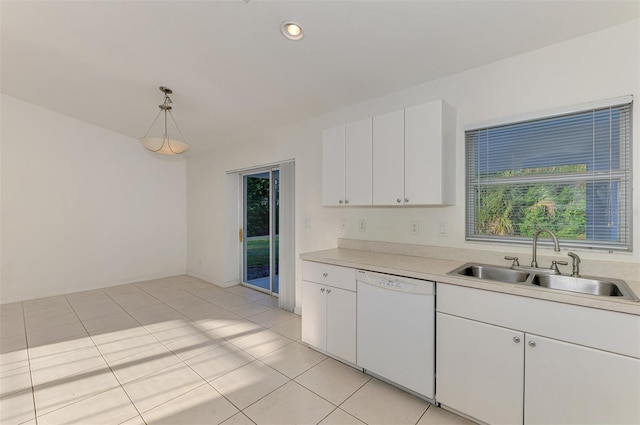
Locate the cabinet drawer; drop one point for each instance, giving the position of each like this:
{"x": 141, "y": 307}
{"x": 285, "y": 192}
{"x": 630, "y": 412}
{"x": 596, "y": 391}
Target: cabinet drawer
{"x": 605, "y": 330}
{"x": 327, "y": 274}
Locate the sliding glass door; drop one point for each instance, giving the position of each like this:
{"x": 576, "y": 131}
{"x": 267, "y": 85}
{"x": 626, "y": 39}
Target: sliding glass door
{"x": 260, "y": 229}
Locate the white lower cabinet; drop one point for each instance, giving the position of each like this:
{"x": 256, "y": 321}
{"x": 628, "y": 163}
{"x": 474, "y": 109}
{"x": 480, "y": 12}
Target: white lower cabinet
{"x": 341, "y": 323}
{"x": 329, "y": 309}
{"x": 570, "y": 384}
{"x": 314, "y": 316}
{"x": 503, "y": 376}
{"x": 479, "y": 369}
{"x": 329, "y": 319}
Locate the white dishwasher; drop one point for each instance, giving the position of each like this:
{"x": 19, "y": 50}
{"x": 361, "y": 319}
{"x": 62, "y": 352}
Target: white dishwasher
{"x": 396, "y": 330}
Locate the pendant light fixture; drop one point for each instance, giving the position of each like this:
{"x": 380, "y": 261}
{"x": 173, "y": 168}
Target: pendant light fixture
{"x": 165, "y": 145}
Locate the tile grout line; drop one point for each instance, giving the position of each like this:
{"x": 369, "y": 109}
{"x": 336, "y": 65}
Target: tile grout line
{"x": 424, "y": 413}
{"x": 150, "y": 373}
{"x": 124, "y": 309}
{"x": 239, "y": 348}
{"x": 26, "y": 342}
{"x": 289, "y": 379}
{"x": 308, "y": 389}
{"x": 349, "y": 396}
{"x": 33, "y": 387}
{"x": 230, "y": 342}
{"x": 105, "y": 361}
{"x": 206, "y": 382}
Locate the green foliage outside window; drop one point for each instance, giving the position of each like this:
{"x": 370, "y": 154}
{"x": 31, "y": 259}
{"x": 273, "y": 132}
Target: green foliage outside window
{"x": 520, "y": 209}
{"x": 257, "y": 205}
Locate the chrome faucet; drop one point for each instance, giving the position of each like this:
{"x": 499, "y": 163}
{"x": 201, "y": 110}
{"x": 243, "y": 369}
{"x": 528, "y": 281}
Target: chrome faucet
{"x": 534, "y": 258}
{"x": 576, "y": 264}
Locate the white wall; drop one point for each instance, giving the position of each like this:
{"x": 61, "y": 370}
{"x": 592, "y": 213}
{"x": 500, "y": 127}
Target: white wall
{"x": 83, "y": 207}
{"x": 597, "y": 66}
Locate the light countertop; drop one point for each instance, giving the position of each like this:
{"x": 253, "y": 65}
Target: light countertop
{"x": 436, "y": 270}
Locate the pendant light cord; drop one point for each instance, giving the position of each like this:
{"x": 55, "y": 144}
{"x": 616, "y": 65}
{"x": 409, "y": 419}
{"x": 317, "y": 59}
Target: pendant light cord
{"x": 152, "y": 124}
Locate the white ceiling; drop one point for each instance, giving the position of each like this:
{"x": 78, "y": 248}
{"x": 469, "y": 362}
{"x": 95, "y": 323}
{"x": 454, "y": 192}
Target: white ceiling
{"x": 233, "y": 74}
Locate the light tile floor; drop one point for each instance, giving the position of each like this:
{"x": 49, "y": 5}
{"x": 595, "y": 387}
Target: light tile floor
{"x": 181, "y": 351}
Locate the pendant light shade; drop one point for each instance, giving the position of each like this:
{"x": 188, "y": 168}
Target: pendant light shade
{"x": 165, "y": 144}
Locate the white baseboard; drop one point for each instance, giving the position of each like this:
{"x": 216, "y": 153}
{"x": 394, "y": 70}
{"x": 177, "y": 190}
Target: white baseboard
{"x": 76, "y": 289}
{"x": 212, "y": 281}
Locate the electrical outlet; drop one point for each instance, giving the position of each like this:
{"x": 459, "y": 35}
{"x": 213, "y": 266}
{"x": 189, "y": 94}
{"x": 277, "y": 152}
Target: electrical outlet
{"x": 442, "y": 229}
{"x": 362, "y": 225}
{"x": 414, "y": 227}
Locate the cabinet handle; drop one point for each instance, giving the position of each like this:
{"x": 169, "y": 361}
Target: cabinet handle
{"x": 398, "y": 200}
{"x": 532, "y": 343}
{"x": 516, "y": 339}
{"x": 322, "y": 289}
{"x": 346, "y": 201}
{"x": 406, "y": 200}
{"x": 340, "y": 201}
{"x": 325, "y": 274}
{"x": 328, "y": 291}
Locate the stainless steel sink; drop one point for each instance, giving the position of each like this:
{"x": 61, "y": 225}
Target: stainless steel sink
{"x": 497, "y": 273}
{"x": 603, "y": 287}
{"x": 585, "y": 285}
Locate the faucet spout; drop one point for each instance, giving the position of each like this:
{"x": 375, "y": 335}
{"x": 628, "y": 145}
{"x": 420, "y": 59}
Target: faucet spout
{"x": 576, "y": 264}
{"x": 534, "y": 256}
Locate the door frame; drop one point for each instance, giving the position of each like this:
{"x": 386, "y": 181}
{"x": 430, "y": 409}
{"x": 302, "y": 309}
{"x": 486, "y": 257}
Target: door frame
{"x": 272, "y": 226}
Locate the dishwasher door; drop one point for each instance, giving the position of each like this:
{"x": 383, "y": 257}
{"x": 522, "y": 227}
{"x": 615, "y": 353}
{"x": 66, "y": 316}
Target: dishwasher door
{"x": 396, "y": 330}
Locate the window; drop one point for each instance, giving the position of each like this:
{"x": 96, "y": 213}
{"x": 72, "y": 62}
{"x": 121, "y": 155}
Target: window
{"x": 568, "y": 172}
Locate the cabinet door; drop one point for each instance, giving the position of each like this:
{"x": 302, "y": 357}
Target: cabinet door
{"x": 333, "y": 164}
{"x": 479, "y": 369}
{"x": 388, "y": 159}
{"x": 314, "y": 314}
{"x": 570, "y": 384}
{"x": 423, "y": 159}
{"x": 341, "y": 323}
{"x": 358, "y": 162}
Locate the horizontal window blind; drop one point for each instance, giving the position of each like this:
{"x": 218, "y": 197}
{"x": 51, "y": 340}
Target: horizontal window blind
{"x": 567, "y": 173}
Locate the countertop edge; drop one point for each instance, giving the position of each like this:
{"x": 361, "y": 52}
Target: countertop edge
{"x": 435, "y": 270}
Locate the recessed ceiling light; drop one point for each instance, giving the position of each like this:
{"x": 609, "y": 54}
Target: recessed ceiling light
{"x": 291, "y": 30}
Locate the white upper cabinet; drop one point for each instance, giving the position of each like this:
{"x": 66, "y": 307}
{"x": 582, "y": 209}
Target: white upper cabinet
{"x": 333, "y": 161}
{"x": 405, "y": 157}
{"x": 346, "y": 164}
{"x": 414, "y": 156}
{"x": 388, "y": 159}
{"x": 429, "y": 154}
{"x": 358, "y": 152}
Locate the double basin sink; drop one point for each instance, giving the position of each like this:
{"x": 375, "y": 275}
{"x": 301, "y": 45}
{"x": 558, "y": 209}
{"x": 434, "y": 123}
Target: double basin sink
{"x": 584, "y": 285}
